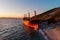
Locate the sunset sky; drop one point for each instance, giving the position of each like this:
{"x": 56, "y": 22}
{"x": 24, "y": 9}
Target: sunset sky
{"x": 17, "y": 8}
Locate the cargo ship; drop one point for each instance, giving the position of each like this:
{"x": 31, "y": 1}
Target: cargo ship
{"x": 29, "y": 26}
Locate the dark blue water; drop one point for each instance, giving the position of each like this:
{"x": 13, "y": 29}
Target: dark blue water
{"x": 12, "y": 29}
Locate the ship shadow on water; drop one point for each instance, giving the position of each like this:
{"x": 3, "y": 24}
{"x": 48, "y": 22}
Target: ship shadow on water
{"x": 34, "y": 34}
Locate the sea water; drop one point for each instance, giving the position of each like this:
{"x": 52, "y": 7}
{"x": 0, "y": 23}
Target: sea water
{"x": 12, "y": 29}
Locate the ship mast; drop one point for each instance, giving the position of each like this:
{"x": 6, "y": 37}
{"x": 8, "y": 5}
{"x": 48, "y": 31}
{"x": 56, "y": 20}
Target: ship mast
{"x": 28, "y": 15}
{"x": 35, "y": 14}
{"x": 25, "y": 15}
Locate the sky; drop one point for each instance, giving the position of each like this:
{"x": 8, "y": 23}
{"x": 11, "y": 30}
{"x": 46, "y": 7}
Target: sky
{"x": 17, "y": 8}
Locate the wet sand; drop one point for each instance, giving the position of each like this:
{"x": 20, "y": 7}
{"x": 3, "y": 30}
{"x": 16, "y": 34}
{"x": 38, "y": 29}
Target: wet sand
{"x": 53, "y": 34}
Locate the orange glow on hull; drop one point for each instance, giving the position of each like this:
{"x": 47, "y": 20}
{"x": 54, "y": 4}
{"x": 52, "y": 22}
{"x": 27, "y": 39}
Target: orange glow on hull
{"x": 28, "y": 24}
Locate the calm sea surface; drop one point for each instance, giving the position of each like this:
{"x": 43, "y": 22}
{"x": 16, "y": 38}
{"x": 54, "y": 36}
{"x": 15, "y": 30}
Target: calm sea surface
{"x": 12, "y": 29}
